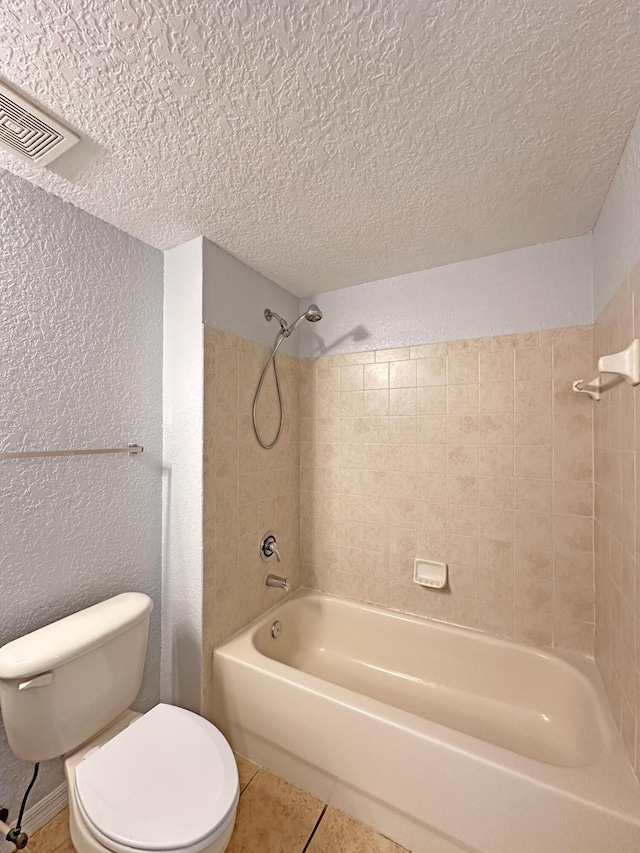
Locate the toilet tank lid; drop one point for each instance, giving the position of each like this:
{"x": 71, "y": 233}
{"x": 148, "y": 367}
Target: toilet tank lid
{"x": 69, "y": 638}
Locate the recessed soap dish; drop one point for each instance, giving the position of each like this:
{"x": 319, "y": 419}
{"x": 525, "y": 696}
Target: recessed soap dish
{"x": 430, "y": 573}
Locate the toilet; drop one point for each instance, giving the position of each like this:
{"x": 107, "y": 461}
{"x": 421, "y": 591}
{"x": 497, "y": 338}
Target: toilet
{"x": 161, "y": 782}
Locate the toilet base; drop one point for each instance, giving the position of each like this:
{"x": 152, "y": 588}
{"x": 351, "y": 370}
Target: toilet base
{"x": 84, "y": 842}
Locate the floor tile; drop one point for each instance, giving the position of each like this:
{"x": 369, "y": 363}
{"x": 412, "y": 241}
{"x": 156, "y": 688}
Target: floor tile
{"x": 274, "y": 817}
{"x": 339, "y": 833}
{"x": 53, "y": 837}
{"x": 246, "y": 770}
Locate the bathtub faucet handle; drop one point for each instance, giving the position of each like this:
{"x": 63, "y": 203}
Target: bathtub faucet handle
{"x": 269, "y": 547}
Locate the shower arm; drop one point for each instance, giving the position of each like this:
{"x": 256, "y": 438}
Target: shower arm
{"x": 284, "y": 329}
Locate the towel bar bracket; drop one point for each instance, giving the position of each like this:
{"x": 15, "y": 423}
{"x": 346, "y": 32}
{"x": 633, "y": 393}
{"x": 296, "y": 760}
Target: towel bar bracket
{"x": 613, "y": 369}
{"x": 592, "y": 389}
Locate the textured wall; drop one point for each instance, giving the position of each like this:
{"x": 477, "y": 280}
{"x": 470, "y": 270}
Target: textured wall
{"x": 182, "y": 383}
{"x": 616, "y": 245}
{"x": 475, "y": 453}
{"x": 542, "y": 287}
{"x": 81, "y": 311}
{"x": 327, "y": 143}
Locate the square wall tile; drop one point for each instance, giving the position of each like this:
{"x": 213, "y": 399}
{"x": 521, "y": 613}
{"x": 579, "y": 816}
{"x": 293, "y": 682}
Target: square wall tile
{"x": 474, "y": 452}
{"x": 496, "y": 366}
{"x": 402, "y": 374}
{"x": 376, "y": 376}
{"x": 431, "y": 371}
{"x": 462, "y": 368}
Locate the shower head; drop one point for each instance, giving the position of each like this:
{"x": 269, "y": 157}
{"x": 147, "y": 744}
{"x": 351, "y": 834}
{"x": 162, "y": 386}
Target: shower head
{"x": 313, "y": 314}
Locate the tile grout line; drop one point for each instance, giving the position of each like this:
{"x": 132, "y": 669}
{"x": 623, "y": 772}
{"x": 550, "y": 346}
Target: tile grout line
{"x": 315, "y": 828}
{"x": 246, "y": 787}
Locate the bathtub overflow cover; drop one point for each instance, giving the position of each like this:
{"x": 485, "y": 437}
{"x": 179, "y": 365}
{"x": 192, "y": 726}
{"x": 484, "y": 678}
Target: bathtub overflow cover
{"x": 276, "y": 629}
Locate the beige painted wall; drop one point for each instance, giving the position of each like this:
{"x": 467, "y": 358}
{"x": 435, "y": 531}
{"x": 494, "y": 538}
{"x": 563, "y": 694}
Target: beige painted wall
{"x": 474, "y": 452}
{"x": 617, "y": 504}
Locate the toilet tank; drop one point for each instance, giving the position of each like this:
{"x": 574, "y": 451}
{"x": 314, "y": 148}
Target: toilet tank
{"x": 63, "y": 683}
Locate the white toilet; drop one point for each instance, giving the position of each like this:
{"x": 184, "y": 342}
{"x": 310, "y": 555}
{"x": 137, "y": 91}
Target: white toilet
{"x": 161, "y": 781}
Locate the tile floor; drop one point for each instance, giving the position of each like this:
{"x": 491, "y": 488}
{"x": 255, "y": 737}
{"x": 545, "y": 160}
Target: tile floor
{"x": 273, "y": 817}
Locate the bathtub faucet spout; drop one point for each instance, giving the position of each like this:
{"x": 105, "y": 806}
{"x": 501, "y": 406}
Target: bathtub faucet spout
{"x": 277, "y": 582}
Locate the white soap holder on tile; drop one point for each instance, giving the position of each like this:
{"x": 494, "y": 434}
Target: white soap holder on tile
{"x": 429, "y": 573}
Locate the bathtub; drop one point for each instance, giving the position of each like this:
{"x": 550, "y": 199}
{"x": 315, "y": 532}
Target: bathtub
{"x": 442, "y": 738}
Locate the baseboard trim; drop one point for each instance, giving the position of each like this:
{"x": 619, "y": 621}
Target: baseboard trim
{"x": 48, "y": 807}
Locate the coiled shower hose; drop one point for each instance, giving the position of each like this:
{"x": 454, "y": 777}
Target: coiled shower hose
{"x": 272, "y": 359}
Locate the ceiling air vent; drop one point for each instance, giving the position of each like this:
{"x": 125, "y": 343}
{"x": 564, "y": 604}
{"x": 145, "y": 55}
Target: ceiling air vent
{"x": 30, "y": 133}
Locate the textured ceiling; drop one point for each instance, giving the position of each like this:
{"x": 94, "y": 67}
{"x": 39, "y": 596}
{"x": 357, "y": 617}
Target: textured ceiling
{"x": 331, "y": 142}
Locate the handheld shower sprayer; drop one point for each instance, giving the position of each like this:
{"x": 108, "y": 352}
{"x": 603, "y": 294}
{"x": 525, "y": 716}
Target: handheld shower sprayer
{"x": 312, "y": 314}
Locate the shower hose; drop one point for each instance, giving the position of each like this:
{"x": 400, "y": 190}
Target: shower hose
{"x": 271, "y": 360}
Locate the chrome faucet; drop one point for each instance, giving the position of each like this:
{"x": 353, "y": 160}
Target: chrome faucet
{"x": 274, "y": 549}
{"x": 277, "y": 582}
{"x": 269, "y": 547}
{"x": 269, "y": 550}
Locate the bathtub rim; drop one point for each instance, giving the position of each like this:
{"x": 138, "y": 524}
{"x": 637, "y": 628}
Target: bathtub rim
{"x": 578, "y": 660}
{"x": 574, "y": 660}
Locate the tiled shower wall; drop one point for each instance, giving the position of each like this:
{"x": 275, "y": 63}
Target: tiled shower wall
{"x": 247, "y": 490}
{"x": 475, "y": 453}
{"x": 617, "y": 442}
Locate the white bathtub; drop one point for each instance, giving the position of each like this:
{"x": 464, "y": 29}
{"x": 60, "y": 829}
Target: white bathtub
{"x": 442, "y": 738}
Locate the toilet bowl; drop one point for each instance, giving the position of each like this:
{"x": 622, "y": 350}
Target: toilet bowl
{"x": 162, "y": 781}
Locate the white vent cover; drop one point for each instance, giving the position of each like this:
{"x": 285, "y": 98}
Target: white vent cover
{"x": 30, "y": 133}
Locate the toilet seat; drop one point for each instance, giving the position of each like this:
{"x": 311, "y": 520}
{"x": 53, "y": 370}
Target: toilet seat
{"x": 168, "y": 782}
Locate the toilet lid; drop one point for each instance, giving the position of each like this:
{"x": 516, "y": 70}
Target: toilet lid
{"x": 166, "y": 782}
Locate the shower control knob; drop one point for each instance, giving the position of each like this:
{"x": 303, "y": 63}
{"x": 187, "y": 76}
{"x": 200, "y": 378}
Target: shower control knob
{"x": 269, "y": 547}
